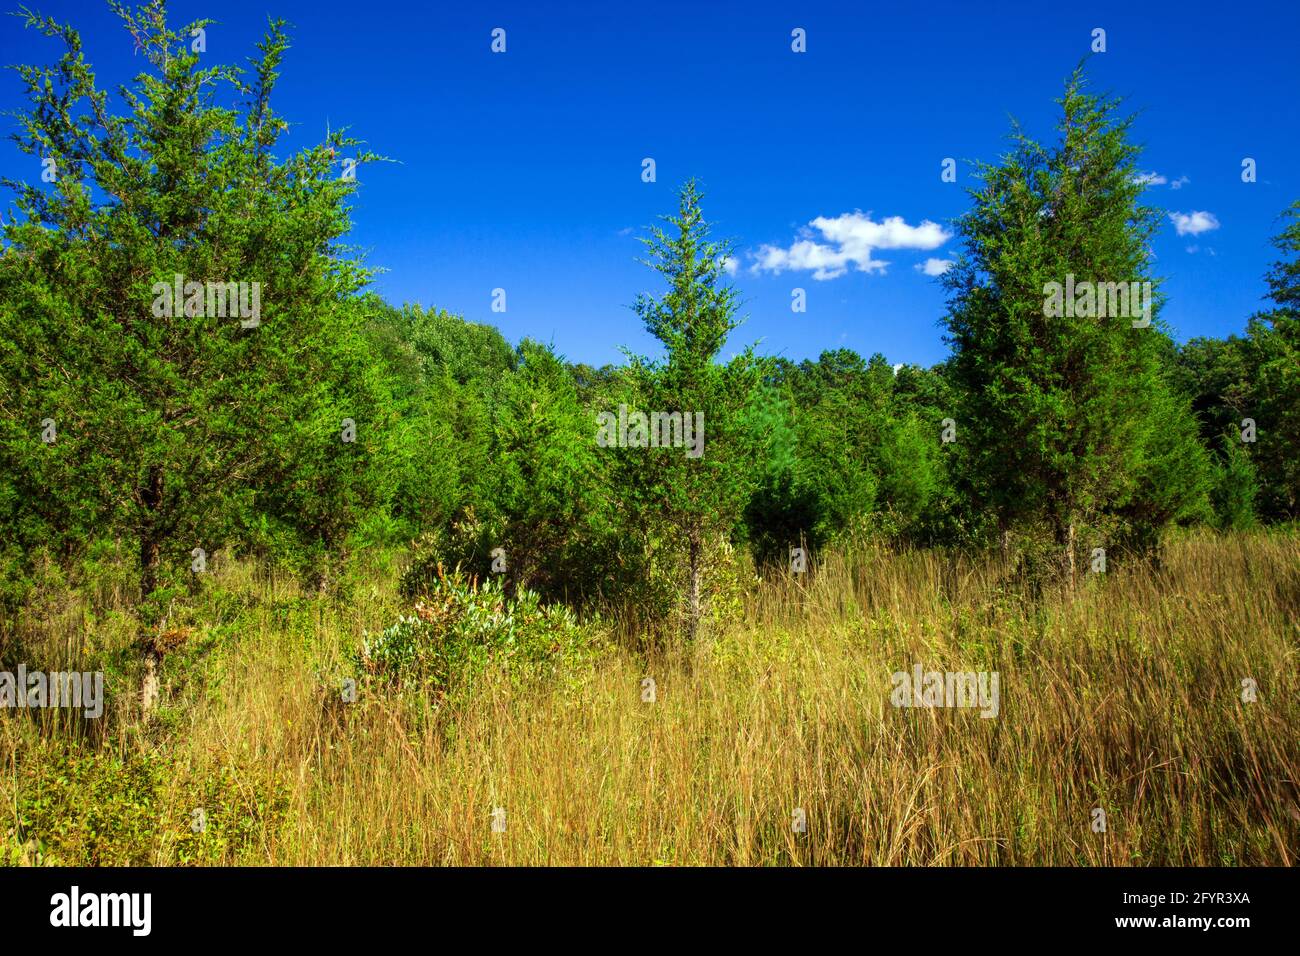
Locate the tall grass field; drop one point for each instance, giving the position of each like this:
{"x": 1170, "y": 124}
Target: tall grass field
{"x": 1124, "y": 696}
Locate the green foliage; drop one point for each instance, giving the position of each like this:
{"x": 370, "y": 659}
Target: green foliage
{"x": 174, "y": 424}
{"x": 459, "y": 629}
{"x": 1218, "y": 375}
{"x": 685, "y": 504}
{"x": 1276, "y": 338}
{"x": 1067, "y": 422}
{"x": 96, "y": 809}
{"x": 82, "y": 807}
{"x": 177, "y": 429}
{"x": 1256, "y": 377}
{"x": 783, "y": 510}
{"x": 545, "y": 486}
{"x": 1236, "y": 487}
{"x": 467, "y": 351}
{"x": 852, "y": 452}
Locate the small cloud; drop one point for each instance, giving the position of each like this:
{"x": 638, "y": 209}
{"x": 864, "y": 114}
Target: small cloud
{"x": 1156, "y": 179}
{"x": 934, "y": 267}
{"x": 730, "y": 266}
{"x": 1193, "y": 249}
{"x": 848, "y": 240}
{"x": 897, "y": 367}
{"x": 1194, "y": 223}
{"x": 626, "y": 232}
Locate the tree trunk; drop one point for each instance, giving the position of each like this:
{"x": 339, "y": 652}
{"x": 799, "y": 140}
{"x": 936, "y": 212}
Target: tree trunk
{"x": 150, "y": 683}
{"x": 693, "y": 602}
{"x": 1069, "y": 554}
{"x": 150, "y": 556}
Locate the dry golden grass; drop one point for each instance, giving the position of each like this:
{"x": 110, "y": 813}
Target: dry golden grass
{"x": 1125, "y": 695}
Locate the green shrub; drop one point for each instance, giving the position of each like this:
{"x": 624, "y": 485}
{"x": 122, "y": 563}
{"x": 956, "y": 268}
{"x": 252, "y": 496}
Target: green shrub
{"x": 82, "y": 807}
{"x": 460, "y": 628}
{"x": 89, "y": 808}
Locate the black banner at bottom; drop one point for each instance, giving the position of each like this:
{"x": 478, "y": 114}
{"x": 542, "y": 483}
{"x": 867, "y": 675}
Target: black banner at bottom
{"x": 338, "y": 905}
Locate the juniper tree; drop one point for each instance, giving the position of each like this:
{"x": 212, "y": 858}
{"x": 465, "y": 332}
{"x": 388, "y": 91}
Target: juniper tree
{"x": 174, "y": 417}
{"x": 1067, "y": 419}
{"x": 698, "y": 498}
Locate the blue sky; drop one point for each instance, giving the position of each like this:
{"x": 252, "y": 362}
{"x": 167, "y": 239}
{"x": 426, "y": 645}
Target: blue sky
{"x": 522, "y": 170}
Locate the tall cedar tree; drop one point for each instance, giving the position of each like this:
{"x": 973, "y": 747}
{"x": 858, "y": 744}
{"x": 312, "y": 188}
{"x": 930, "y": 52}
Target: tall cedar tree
{"x": 698, "y": 501}
{"x": 174, "y": 427}
{"x": 1067, "y": 425}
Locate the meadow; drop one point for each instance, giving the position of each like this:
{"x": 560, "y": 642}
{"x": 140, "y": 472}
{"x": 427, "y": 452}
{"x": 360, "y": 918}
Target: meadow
{"x": 1123, "y": 694}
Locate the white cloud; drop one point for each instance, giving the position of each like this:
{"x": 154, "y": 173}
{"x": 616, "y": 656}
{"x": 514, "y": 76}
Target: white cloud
{"x": 848, "y": 240}
{"x": 1193, "y": 223}
{"x": 1156, "y": 179}
{"x": 934, "y": 267}
{"x": 730, "y": 265}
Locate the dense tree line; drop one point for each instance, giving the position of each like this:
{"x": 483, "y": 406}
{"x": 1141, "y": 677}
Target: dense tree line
{"x": 134, "y": 417}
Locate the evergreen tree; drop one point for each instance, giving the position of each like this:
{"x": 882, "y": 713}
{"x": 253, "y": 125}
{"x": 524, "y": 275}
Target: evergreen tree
{"x": 1067, "y": 419}
{"x": 177, "y": 307}
{"x": 544, "y": 486}
{"x": 697, "y": 493}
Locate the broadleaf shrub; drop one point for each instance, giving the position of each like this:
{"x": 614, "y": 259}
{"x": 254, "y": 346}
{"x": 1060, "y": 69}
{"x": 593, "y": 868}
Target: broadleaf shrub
{"x": 460, "y": 628}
